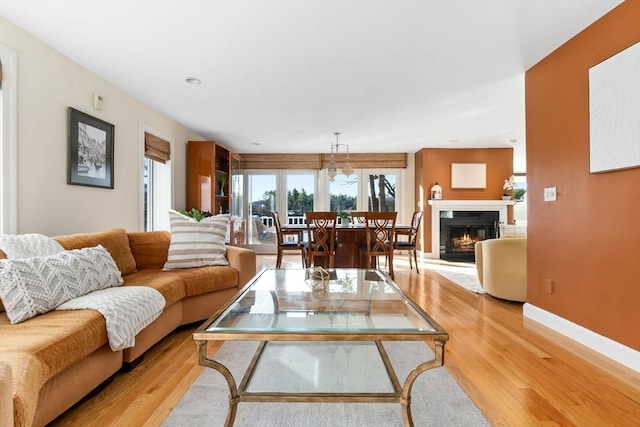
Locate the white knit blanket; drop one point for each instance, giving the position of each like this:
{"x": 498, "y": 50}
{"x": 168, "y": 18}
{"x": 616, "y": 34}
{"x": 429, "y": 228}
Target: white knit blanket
{"x": 127, "y": 310}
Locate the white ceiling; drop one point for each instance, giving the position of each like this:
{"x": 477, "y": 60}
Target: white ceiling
{"x": 282, "y": 76}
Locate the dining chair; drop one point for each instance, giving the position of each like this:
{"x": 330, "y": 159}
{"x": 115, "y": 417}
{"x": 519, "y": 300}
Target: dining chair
{"x": 409, "y": 238}
{"x": 380, "y": 236}
{"x": 321, "y": 228}
{"x": 285, "y": 244}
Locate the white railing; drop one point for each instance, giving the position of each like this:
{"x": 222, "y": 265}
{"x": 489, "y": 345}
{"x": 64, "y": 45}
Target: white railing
{"x": 267, "y": 221}
{"x": 296, "y": 220}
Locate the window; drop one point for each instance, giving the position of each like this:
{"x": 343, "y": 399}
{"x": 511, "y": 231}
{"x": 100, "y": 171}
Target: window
{"x": 156, "y": 182}
{"x": 8, "y": 163}
{"x": 381, "y": 192}
{"x": 520, "y": 197}
{"x": 300, "y": 195}
{"x": 366, "y": 190}
{"x": 343, "y": 193}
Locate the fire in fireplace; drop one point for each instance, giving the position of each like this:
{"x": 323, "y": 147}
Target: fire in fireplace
{"x": 460, "y": 230}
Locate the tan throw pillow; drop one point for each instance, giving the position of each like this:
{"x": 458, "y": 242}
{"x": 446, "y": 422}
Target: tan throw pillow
{"x": 115, "y": 240}
{"x": 196, "y": 244}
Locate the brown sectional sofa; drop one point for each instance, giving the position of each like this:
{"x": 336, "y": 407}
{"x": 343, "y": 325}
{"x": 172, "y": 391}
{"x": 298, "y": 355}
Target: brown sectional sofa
{"x": 51, "y": 361}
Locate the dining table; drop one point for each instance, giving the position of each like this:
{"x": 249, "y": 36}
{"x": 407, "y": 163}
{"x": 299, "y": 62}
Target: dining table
{"x": 349, "y": 239}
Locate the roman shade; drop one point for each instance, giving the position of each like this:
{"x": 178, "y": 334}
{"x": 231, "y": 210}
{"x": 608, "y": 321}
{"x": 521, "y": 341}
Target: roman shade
{"x": 156, "y": 148}
{"x": 320, "y": 161}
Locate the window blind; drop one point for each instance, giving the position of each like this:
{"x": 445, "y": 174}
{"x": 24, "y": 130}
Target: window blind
{"x": 320, "y": 161}
{"x": 156, "y": 148}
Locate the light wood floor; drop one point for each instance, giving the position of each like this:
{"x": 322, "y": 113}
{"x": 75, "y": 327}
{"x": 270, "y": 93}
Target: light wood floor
{"x": 516, "y": 371}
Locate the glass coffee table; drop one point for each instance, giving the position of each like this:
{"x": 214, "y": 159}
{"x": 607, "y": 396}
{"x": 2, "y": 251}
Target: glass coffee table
{"x": 328, "y": 334}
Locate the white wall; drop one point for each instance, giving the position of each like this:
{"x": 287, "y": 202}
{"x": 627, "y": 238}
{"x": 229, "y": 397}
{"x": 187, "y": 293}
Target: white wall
{"x": 49, "y": 83}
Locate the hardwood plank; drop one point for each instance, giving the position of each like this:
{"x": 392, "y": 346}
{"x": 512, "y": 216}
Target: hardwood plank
{"x": 516, "y": 371}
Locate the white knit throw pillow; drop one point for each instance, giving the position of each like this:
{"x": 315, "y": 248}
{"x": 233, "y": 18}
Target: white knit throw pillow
{"x": 196, "y": 244}
{"x": 28, "y": 245}
{"x": 36, "y": 285}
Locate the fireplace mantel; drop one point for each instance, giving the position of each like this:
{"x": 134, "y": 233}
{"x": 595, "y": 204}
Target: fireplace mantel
{"x": 438, "y": 206}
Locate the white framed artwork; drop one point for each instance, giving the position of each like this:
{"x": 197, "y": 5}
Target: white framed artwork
{"x": 614, "y": 112}
{"x": 468, "y": 175}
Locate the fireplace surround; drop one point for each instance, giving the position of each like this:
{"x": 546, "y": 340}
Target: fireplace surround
{"x": 440, "y": 208}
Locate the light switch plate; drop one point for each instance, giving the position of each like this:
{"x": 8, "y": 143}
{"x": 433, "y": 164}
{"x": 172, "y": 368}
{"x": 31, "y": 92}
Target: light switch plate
{"x": 550, "y": 194}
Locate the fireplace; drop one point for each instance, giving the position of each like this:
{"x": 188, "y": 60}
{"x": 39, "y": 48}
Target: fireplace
{"x": 460, "y": 230}
{"x": 444, "y": 208}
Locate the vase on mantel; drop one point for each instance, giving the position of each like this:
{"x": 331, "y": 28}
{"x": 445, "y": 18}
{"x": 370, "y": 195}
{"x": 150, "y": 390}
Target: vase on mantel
{"x": 506, "y": 197}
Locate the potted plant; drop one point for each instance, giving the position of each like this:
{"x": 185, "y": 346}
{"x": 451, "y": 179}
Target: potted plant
{"x": 196, "y": 214}
{"x": 508, "y": 187}
{"x": 518, "y": 194}
{"x": 221, "y": 179}
{"x": 344, "y": 218}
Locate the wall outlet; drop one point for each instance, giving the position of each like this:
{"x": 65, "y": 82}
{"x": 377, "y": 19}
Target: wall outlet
{"x": 549, "y": 286}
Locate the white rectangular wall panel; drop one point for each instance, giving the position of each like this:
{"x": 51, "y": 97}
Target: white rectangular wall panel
{"x": 614, "y": 112}
{"x": 468, "y": 175}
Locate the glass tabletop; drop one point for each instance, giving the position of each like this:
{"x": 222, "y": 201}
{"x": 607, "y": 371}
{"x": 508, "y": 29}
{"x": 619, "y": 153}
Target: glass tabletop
{"x": 352, "y": 301}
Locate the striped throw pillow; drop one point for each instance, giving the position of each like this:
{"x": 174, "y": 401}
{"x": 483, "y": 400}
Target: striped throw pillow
{"x": 196, "y": 244}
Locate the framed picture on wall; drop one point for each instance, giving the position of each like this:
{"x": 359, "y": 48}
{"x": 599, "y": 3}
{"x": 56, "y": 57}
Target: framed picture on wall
{"x": 468, "y": 175}
{"x": 614, "y": 108}
{"x": 90, "y": 160}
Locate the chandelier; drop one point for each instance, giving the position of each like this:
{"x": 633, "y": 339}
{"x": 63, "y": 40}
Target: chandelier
{"x": 332, "y": 167}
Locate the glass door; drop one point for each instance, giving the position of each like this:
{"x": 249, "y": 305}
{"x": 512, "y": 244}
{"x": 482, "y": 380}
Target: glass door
{"x": 301, "y": 187}
{"x": 261, "y": 200}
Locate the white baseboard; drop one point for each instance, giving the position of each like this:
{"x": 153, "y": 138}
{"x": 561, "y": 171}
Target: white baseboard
{"x": 606, "y": 346}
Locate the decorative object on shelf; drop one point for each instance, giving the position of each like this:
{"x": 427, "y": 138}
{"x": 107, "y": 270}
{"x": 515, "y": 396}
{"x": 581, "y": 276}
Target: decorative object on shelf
{"x": 317, "y": 278}
{"x": 196, "y": 214}
{"x": 90, "y": 156}
{"x": 344, "y": 219}
{"x": 221, "y": 179}
{"x": 508, "y": 187}
{"x": 436, "y": 192}
{"x": 332, "y": 167}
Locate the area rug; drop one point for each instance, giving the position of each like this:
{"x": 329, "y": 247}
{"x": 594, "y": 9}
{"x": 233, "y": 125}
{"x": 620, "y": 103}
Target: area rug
{"x": 464, "y": 275}
{"x": 437, "y": 400}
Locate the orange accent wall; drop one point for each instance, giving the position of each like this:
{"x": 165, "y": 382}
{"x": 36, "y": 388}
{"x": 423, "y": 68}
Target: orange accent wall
{"x": 588, "y": 241}
{"x": 434, "y": 165}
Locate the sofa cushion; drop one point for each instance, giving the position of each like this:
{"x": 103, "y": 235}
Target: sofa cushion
{"x": 149, "y": 248}
{"x": 42, "y": 347}
{"x": 208, "y": 279}
{"x": 196, "y": 244}
{"x": 169, "y": 283}
{"x": 115, "y": 240}
{"x": 36, "y": 285}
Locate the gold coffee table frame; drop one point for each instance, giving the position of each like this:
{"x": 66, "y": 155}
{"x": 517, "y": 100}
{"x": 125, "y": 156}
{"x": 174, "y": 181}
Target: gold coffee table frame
{"x": 373, "y": 296}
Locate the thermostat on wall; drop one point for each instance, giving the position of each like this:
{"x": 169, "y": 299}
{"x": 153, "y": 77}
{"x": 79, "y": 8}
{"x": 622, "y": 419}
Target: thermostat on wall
{"x": 97, "y": 101}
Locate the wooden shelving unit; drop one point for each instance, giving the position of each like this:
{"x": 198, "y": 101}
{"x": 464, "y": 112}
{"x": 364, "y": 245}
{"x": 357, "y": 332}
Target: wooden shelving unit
{"x": 212, "y": 170}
